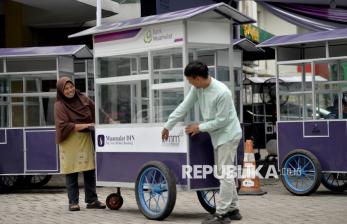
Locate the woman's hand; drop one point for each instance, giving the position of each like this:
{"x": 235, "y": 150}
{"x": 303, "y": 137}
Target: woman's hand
{"x": 79, "y": 127}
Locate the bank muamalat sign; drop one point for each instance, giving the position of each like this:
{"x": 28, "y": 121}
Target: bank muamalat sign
{"x": 171, "y": 33}
{"x": 140, "y": 139}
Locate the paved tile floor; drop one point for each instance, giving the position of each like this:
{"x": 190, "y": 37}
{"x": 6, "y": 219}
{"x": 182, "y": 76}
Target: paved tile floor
{"x": 49, "y": 206}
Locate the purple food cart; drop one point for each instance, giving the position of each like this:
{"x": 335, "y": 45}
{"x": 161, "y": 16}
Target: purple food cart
{"x": 312, "y": 112}
{"x": 28, "y": 79}
{"x": 139, "y": 81}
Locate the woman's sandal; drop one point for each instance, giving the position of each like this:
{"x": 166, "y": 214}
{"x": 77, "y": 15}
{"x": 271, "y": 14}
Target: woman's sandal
{"x": 96, "y": 204}
{"x": 74, "y": 207}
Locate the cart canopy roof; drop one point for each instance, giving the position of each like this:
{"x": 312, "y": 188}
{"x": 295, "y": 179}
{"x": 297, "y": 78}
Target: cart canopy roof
{"x": 215, "y": 11}
{"x": 79, "y": 51}
{"x": 314, "y": 37}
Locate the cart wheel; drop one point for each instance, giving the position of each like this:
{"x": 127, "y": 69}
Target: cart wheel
{"x": 8, "y": 183}
{"x": 37, "y": 180}
{"x": 207, "y": 200}
{"x": 335, "y": 181}
{"x": 301, "y": 172}
{"x": 155, "y": 190}
{"x": 114, "y": 201}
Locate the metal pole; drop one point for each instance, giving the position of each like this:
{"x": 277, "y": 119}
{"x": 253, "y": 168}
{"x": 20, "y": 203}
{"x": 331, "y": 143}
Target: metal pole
{"x": 98, "y": 12}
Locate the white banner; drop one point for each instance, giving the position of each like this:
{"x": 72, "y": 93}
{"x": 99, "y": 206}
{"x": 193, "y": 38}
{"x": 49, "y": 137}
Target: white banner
{"x": 140, "y": 139}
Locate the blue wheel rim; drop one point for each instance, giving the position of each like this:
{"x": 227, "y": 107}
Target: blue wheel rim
{"x": 210, "y": 197}
{"x": 152, "y": 191}
{"x": 299, "y": 173}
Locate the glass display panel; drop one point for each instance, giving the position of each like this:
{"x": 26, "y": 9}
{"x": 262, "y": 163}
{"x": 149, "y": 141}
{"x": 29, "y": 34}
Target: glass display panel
{"x": 297, "y": 107}
{"x": 39, "y": 111}
{"x": 4, "y": 87}
{"x": 124, "y": 103}
{"x": 166, "y": 101}
{"x": 3, "y": 112}
{"x": 17, "y": 112}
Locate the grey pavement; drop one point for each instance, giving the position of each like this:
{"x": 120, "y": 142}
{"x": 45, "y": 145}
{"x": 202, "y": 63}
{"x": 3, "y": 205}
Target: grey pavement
{"x": 49, "y": 206}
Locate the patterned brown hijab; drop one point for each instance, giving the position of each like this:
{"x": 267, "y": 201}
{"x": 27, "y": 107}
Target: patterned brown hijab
{"x": 70, "y": 111}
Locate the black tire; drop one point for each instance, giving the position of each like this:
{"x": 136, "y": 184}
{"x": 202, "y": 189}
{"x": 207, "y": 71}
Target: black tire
{"x": 37, "y": 180}
{"x": 114, "y": 201}
{"x": 165, "y": 179}
{"x": 313, "y": 173}
{"x": 9, "y": 183}
{"x": 207, "y": 200}
{"x": 336, "y": 182}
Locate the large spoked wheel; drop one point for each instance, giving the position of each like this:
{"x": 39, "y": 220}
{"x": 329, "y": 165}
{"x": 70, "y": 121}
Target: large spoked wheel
{"x": 335, "y": 181}
{"x": 301, "y": 172}
{"x": 207, "y": 200}
{"x": 155, "y": 190}
{"x": 37, "y": 180}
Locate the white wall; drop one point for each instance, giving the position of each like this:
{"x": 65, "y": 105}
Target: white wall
{"x": 276, "y": 26}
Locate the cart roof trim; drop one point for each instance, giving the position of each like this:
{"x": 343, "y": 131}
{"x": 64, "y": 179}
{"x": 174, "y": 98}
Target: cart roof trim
{"x": 220, "y": 9}
{"x": 247, "y": 45}
{"x": 286, "y": 79}
{"x": 321, "y": 36}
{"x": 79, "y": 51}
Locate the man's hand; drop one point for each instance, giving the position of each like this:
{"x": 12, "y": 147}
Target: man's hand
{"x": 164, "y": 134}
{"x": 192, "y": 129}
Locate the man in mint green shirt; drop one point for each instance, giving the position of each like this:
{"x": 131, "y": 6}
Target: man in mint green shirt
{"x": 221, "y": 122}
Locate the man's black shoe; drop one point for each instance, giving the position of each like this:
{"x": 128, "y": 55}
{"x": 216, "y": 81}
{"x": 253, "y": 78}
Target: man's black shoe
{"x": 234, "y": 215}
{"x": 217, "y": 219}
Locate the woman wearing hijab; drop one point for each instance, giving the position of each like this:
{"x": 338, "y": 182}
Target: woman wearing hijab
{"x": 74, "y": 116}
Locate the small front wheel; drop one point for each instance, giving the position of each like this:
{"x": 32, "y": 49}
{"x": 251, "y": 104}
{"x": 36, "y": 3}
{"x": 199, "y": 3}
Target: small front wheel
{"x": 155, "y": 190}
{"x": 301, "y": 172}
{"x": 114, "y": 201}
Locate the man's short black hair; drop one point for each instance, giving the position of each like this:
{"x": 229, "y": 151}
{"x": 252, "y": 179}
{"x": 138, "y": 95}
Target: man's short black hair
{"x": 196, "y": 68}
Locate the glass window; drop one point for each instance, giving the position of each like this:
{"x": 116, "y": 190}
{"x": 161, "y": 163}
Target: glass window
{"x": 16, "y": 86}
{"x": 3, "y": 112}
{"x": 165, "y": 76}
{"x": 40, "y": 83}
{"x": 167, "y": 66}
{"x": 166, "y": 101}
{"x": 177, "y": 61}
{"x": 17, "y": 112}
{"x": 124, "y": 103}
{"x": 80, "y": 84}
{"x": 4, "y": 87}
{"x": 161, "y": 62}
{"x": 32, "y": 111}
{"x": 79, "y": 66}
{"x": 25, "y": 65}
{"x": 143, "y": 65}
{"x": 224, "y": 76}
{"x": 206, "y": 57}
{"x": 1, "y": 65}
{"x": 327, "y": 106}
{"x": 122, "y": 66}
{"x": 297, "y": 107}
